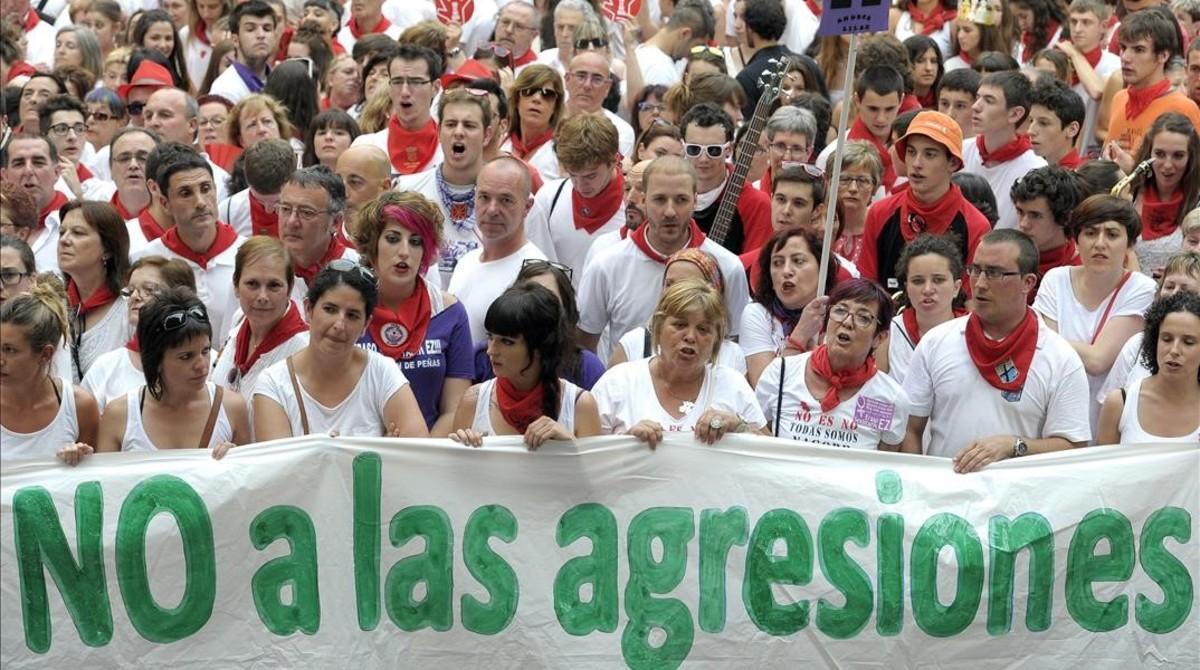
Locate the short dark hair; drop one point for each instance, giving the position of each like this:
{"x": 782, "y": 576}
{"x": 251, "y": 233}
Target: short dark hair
{"x": 765, "y": 18}
{"x": 1056, "y": 184}
{"x": 1183, "y": 301}
{"x": 1057, "y": 97}
{"x": 62, "y": 86}
{"x": 254, "y": 8}
{"x": 323, "y": 178}
{"x": 1027, "y": 257}
{"x": 1098, "y": 176}
{"x": 7, "y": 146}
{"x": 798, "y": 174}
{"x": 58, "y": 103}
{"x": 334, "y": 8}
{"x": 864, "y": 290}
{"x": 880, "y": 80}
{"x": 1162, "y": 32}
{"x": 412, "y": 52}
{"x": 990, "y": 62}
{"x": 707, "y": 115}
{"x": 154, "y": 340}
{"x": 764, "y": 294}
{"x": 1101, "y": 208}
{"x": 360, "y": 279}
{"x": 184, "y": 161}
{"x": 493, "y": 87}
{"x": 1016, "y": 87}
{"x": 978, "y": 192}
{"x": 962, "y": 79}
{"x": 267, "y": 165}
{"x": 163, "y": 153}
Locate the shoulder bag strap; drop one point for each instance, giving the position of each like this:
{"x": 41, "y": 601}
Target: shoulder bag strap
{"x": 212, "y": 416}
{"x": 1111, "y": 302}
{"x": 646, "y": 343}
{"x": 779, "y": 396}
{"x": 554, "y": 202}
{"x": 299, "y": 396}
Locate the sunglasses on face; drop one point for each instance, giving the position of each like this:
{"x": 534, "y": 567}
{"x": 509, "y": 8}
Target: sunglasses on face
{"x": 177, "y": 319}
{"x": 588, "y": 43}
{"x": 135, "y": 108}
{"x": 713, "y": 150}
{"x": 546, "y": 92}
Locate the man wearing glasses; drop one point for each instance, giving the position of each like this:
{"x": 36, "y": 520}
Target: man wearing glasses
{"x": 516, "y": 26}
{"x": 588, "y": 81}
{"x": 312, "y": 207}
{"x": 790, "y": 133}
{"x": 708, "y": 144}
{"x": 932, "y": 203}
{"x": 411, "y": 136}
{"x": 129, "y": 150}
{"x": 997, "y": 383}
{"x": 690, "y": 26}
{"x": 62, "y": 120}
{"x": 148, "y": 78}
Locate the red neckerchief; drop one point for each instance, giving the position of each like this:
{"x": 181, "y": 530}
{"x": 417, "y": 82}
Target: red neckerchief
{"x": 1140, "y": 98}
{"x": 56, "y": 204}
{"x": 202, "y": 33}
{"x": 859, "y": 131}
{"x": 358, "y": 33}
{"x": 99, "y": 298}
{"x": 929, "y": 100}
{"x": 83, "y": 173}
{"x": 529, "y": 57}
{"x": 1093, "y": 59}
{"x": 133, "y": 344}
{"x": 814, "y": 7}
{"x": 1160, "y": 217}
{"x": 766, "y": 181}
{"x": 20, "y": 69}
{"x": 31, "y": 20}
{"x": 932, "y": 22}
{"x": 225, "y": 238}
{"x": 340, "y": 234}
{"x": 908, "y": 103}
{"x": 592, "y": 213}
{"x": 518, "y": 408}
{"x": 290, "y": 324}
{"x": 400, "y": 333}
{"x": 918, "y": 217}
{"x": 966, "y": 58}
{"x": 1072, "y": 160}
{"x": 116, "y": 203}
{"x": 333, "y": 252}
{"x": 639, "y": 240}
{"x": 523, "y": 151}
{"x": 223, "y": 154}
{"x": 338, "y": 49}
{"x": 1005, "y": 153}
{"x": 262, "y": 222}
{"x": 1057, "y": 257}
{"x": 908, "y": 319}
{"x": 325, "y": 103}
{"x": 1029, "y": 51}
{"x": 151, "y": 228}
{"x": 840, "y": 379}
{"x": 411, "y": 150}
{"x": 1005, "y": 363}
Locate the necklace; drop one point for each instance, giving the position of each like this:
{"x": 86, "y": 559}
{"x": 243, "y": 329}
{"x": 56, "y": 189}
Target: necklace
{"x": 685, "y": 405}
{"x": 461, "y": 207}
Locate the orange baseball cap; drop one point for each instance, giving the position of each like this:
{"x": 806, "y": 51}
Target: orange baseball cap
{"x": 148, "y": 74}
{"x": 938, "y": 127}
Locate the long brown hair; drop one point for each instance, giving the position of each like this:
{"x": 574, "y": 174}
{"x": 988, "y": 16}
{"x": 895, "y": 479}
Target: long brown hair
{"x": 1174, "y": 122}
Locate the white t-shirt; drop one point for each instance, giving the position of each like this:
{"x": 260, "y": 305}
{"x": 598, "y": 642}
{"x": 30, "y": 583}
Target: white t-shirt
{"x": 634, "y": 344}
{"x": 225, "y": 372}
{"x": 943, "y": 384}
{"x": 761, "y": 331}
{"x": 477, "y": 283}
{"x": 625, "y": 138}
{"x": 136, "y": 438}
{"x": 62, "y": 430}
{"x": 109, "y": 333}
{"x": 457, "y": 238}
{"x": 900, "y": 350}
{"x": 1001, "y": 177}
{"x": 111, "y": 376}
{"x": 196, "y": 55}
{"x": 1130, "y": 425}
{"x": 359, "y": 414}
{"x": 347, "y": 39}
{"x": 955, "y": 63}
{"x": 229, "y": 85}
{"x": 1127, "y": 369}
{"x": 877, "y": 413}
{"x": 554, "y": 231}
{"x": 551, "y": 58}
{"x": 45, "y": 247}
{"x": 657, "y": 66}
{"x": 1056, "y": 300}
{"x": 235, "y": 210}
{"x": 39, "y": 44}
{"x": 625, "y": 395}
{"x": 544, "y": 160}
{"x": 1109, "y": 63}
{"x": 568, "y": 396}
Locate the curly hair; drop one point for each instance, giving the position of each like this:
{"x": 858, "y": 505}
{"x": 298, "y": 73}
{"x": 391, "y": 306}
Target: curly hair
{"x": 1183, "y": 301}
{"x": 1056, "y": 184}
{"x": 946, "y": 245}
{"x": 411, "y": 210}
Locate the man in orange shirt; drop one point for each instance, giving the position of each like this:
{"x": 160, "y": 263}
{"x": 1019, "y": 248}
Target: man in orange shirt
{"x": 1146, "y": 40}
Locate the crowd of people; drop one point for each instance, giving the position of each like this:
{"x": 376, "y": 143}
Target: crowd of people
{"x": 233, "y": 222}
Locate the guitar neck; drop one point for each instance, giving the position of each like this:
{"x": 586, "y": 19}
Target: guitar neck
{"x": 741, "y": 167}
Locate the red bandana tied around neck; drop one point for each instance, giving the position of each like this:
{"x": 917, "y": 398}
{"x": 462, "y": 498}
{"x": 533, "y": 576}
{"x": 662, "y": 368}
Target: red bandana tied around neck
{"x": 400, "y": 333}
{"x": 125, "y": 214}
{"x": 1005, "y": 363}
{"x": 31, "y": 20}
{"x": 918, "y": 217}
{"x": 358, "y": 33}
{"x": 1030, "y": 51}
{"x": 934, "y": 20}
{"x": 1093, "y": 59}
{"x": 1072, "y": 160}
{"x": 223, "y": 154}
{"x": 639, "y": 240}
{"x": 56, "y": 204}
{"x": 133, "y": 344}
{"x": 262, "y": 222}
{"x": 99, "y": 298}
{"x": 333, "y": 252}
{"x": 529, "y": 57}
{"x": 523, "y": 151}
{"x": 840, "y": 379}
{"x": 82, "y": 173}
{"x": 151, "y": 229}
{"x": 290, "y": 324}
{"x": 202, "y": 33}
{"x": 519, "y": 408}
{"x": 1160, "y": 217}
{"x": 814, "y": 7}
{"x": 411, "y": 150}
{"x": 1140, "y": 98}
{"x": 859, "y": 131}
{"x": 1005, "y": 153}
{"x": 225, "y": 238}
{"x": 1056, "y": 258}
{"x": 592, "y": 213}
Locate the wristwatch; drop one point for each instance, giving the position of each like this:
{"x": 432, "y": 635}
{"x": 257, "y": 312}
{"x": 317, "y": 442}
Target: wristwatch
{"x": 1020, "y": 448}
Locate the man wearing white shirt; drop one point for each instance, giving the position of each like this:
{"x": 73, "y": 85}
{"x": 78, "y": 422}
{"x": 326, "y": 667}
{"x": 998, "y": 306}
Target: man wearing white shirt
{"x": 997, "y": 152}
{"x": 587, "y": 81}
{"x": 366, "y": 18}
{"x": 31, "y": 162}
{"x": 1091, "y": 62}
{"x": 501, "y": 202}
{"x": 411, "y": 136}
{"x": 252, "y": 27}
{"x": 568, "y": 16}
{"x": 130, "y": 149}
{"x": 516, "y": 28}
{"x": 568, "y": 215}
{"x": 311, "y": 207}
{"x": 253, "y": 211}
{"x": 998, "y": 383}
{"x": 688, "y": 27}
{"x": 39, "y": 35}
{"x": 619, "y": 288}
{"x": 174, "y": 115}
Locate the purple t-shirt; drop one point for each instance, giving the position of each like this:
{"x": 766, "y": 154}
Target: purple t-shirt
{"x": 591, "y": 368}
{"x": 447, "y": 352}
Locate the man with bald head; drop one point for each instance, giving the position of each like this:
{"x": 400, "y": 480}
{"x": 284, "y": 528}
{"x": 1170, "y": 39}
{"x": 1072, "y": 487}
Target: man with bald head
{"x": 613, "y": 293}
{"x": 174, "y": 115}
{"x": 588, "y": 82}
{"x": 502, "y": 199}
{"x": 366, "y": 172}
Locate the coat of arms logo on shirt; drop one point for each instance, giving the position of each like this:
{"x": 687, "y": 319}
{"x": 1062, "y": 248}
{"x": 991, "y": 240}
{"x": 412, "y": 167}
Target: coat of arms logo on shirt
{"x": 394, "y": 334}
{"x": 1007, "y": 371}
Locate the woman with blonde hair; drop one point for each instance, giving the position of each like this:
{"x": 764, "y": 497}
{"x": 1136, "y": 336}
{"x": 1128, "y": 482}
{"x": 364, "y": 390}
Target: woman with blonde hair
{"x": 719, "y": 89}
{"x": 536, "y": 106}
{"x": 257, "y": 117}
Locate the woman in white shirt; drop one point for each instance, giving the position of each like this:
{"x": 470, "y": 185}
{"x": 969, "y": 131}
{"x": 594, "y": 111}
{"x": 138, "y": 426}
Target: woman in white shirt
{"x": 680, "y": 388}
{"x": 1097, "y": 306}
{"x": 527, "y": 336}
{"x": 40, "y": 415}
{"x": 834, "y": 395}
{"x": 93, "y": 254}
{"x": 177, "y": 408}
{"x": 332, "y": 385}
{"x": 1164, "y": 407}
{"x": 271, "y": 327}
{"x": 119, "y": 371}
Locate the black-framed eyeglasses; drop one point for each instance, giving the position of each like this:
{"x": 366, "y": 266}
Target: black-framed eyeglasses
{"x": 63, "y": 128}
{"x": 411, "y": 82}
{"x": 346, "y": 265}
{"x": 537, "y": 264}
{"x": 546, "y": 92}
{"x": 177, "y": 319}
{"x": 992, "y": 274}
{"x": 590, "y": 43}
{"x": 839, "y": 314}
{"x": 861, "y": 182}
{"x": 713, "y": 150}
{"x": 13, "y": 277}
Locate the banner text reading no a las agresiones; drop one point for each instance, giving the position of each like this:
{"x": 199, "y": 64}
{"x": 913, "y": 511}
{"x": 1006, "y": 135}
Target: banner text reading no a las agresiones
{"x": 418, "y": 553}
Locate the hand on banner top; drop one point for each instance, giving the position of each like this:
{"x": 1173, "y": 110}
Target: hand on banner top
{"x": 454, "y": 11}
{"x": 615, "y": 10}
{"x": 843, "y": 17}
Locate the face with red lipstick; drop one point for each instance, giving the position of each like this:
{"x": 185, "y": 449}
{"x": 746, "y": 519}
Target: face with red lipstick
{"x": 398, "y": 259}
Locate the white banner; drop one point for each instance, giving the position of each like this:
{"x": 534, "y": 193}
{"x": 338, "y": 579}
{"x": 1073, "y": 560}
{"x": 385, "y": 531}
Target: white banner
{"x": 321, "y": 553}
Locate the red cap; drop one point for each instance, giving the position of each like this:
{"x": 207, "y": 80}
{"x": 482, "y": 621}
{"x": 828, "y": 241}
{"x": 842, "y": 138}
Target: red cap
{"x": 149, "y": 74}
{"x": 471, "y": 69}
